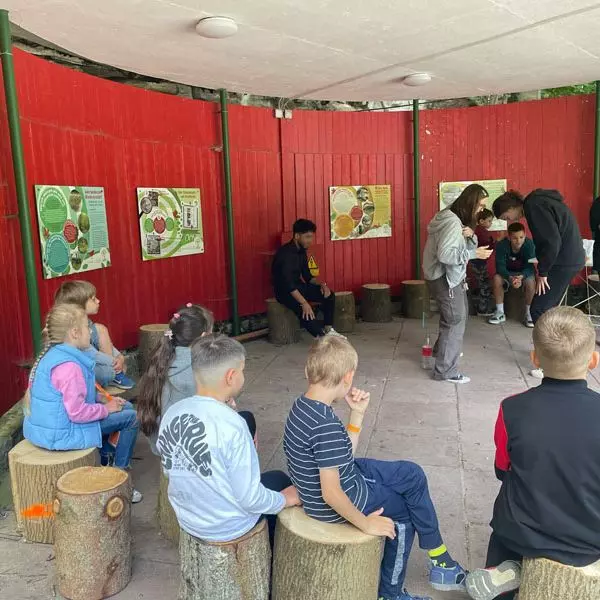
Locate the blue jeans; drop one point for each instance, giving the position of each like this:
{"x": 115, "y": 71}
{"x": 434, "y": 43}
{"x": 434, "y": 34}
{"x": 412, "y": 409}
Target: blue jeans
{"x": 401, "y": 489}
{"x": 104, "y": 370}
{"x": 127, "y": 424}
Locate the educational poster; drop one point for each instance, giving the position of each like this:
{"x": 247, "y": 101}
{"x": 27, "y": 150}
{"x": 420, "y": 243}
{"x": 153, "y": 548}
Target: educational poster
{"x": 73, "y": 229}
{"x": 170, "y": 222}
{"x": 360, "y": 211}
{"x": 451, "y": 190}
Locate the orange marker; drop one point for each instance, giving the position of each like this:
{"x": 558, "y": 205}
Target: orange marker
{"x": 38, "y": 511}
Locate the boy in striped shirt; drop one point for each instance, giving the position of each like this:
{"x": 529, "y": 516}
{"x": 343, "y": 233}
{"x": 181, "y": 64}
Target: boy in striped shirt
{"x": 380, "y": 498}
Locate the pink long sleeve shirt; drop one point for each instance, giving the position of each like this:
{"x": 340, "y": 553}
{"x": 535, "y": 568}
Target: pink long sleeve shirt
{"x": 68, "y": 380}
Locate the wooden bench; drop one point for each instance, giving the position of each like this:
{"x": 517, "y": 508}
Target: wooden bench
{"x": 323, "y": 560}
{"x": 33, "y": 476}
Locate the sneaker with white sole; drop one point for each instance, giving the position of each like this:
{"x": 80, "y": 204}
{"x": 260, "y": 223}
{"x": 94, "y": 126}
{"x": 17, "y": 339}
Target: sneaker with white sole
{"x": 497, "y": 319}
{"x": 332, "y": 332}
{"x": 136, "y": 497}
{"x": 537, "y": 373}
{"x": 460, "y": 379}
{"x": 487, "y": 584}
{"x": 528, "y": 322}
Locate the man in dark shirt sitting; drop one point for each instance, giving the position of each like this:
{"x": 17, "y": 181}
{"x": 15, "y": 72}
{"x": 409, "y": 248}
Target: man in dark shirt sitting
{"x": 294, "y": 285}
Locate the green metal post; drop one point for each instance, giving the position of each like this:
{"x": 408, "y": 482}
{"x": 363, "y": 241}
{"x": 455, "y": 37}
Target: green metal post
{"x": 597, "y": 144}
{"x": 416, "y": 190}
{"x": 14, "y": 127}
{"x": 229, "y": 206}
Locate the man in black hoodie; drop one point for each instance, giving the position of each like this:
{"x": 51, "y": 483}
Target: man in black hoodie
{"x": 557, "y": 240}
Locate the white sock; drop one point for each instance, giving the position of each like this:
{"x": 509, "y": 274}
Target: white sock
{"x": 500, "y": 308}
{"x": 528, "y": 310}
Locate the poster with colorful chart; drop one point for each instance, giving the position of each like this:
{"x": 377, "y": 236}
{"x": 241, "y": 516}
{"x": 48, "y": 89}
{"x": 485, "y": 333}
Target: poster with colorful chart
{"x": 451, "y": 190}
{"x": 73, "y": 229}
{"x": 360, "y": 212}
{"x": 170, "y": 222}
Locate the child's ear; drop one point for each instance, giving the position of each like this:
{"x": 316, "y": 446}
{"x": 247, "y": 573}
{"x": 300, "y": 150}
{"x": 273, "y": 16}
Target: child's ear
{"x": 229, "y": 375}
{"x": 305, "y": 373}
{"x": 534, "y": 359}
{"x": 594, "y": 361}
{"x": 349, "y": 377}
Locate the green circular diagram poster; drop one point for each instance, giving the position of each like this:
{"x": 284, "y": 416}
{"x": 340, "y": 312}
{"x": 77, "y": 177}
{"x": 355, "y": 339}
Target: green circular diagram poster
{"x": 170, "y": 222}
{"x": 73, "y": 229}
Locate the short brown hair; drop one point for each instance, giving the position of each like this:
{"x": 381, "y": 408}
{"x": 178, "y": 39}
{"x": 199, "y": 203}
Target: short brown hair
{"x": 484, "y": 213}
{"x": 329, "y": 359}
{"x": 510, "y": 199}
{"x": 75, "y": 292}
{"x": 516, "y": 227}
{"x": 564, "y": 340}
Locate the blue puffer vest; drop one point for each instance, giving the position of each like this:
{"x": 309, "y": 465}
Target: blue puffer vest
{"x": 48, "y": 424}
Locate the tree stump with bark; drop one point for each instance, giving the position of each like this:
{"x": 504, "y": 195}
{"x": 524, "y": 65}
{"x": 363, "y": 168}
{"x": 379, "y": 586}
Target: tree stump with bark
{"x": 543, "y": 579}
{"x": 150, "y": 337}
{"x": 514, "y": 304}
{"x": 376, "y": 303}
{"x": 236, "y": 570}
{"x": 415, "y": 299}
{"x": 92, "y": 533}
{"x": 284, "y": 327}
{"x": 33, "y": 476}
{"x": 323, "y": 560}
{"x": 168, "y": 524}
{"x": 344, "y": 317}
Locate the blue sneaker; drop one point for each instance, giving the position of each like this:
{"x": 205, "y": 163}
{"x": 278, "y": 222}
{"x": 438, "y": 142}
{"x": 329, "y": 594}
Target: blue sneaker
{"x": 446, "y": 579}
{"x": 406, "y": 596}
{"x": 123, "y": 382}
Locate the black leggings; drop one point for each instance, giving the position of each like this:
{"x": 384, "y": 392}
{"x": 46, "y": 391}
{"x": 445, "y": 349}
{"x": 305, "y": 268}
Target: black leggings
{"x": 559, "y": 279}
{"x": 498, "y": 553}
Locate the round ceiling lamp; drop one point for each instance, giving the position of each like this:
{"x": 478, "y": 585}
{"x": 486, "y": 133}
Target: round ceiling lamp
{"x": 216, "y": 27}
{"x": 417, "y": 79}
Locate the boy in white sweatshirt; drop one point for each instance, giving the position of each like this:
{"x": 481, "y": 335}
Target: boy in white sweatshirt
{"x": 215, "y": 485}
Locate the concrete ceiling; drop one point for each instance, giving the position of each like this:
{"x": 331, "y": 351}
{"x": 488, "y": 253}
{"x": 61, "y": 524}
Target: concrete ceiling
{"x": 333, "y": 49}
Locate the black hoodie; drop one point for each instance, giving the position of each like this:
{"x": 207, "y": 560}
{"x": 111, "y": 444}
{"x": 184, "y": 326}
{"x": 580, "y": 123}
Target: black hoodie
{"x": 555, "y": 232}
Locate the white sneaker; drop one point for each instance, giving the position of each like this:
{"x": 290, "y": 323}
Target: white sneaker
{"x": 460, "y": 379}
{"x": 528, "y": 322}
{"x": 136, "y": 497}
{"x": 332, "y": 332}
{"x": 537, "y": 373}
{"x": 497, "y": 319}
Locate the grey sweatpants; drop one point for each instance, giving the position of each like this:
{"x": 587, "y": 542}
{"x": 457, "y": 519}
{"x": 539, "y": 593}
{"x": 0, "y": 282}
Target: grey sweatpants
{"x": 454, "y": 312}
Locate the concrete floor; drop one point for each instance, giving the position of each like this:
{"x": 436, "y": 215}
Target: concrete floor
{"x": 445, "y": 428}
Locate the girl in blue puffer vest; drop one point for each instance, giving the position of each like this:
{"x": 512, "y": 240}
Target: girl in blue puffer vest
{"x": 61, "y": 407}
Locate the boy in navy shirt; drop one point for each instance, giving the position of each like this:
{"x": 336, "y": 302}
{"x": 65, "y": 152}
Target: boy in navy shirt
{"x": 380, "y": 498}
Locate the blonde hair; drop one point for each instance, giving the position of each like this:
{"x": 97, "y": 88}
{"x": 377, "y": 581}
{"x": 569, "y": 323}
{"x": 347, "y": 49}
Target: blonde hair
{"x": 60, "y": 320}
{"x": 329, "y": 360}
{"x": 75, "y": 292}
{"x": 564, "y": 340}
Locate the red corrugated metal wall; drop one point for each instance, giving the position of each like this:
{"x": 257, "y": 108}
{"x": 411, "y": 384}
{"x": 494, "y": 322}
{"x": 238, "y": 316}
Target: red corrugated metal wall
{"x": 83, "y": 130}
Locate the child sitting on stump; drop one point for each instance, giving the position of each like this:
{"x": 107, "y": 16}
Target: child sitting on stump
{"x": 62, "y": 411}
{"x": 547, "y": 448}
{"x": 215, "y": 485}
{"x": 110, "y": 363}
{"x": 380, "y": 498}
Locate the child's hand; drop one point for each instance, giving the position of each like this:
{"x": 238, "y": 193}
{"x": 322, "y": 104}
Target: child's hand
{"x": 380, "y": 526}
{"x": 115, "y": 405}
{"x": 291, "y": 497}
{"x": 119, "y": 364}
{"x": 358, "y": 400}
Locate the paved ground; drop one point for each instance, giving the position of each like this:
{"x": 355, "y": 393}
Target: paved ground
{"x": 446, "y": 429}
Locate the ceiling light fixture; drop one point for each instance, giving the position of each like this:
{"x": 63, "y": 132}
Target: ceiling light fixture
{"x": 216, "y": 27}
{"x": 417, "y": 79}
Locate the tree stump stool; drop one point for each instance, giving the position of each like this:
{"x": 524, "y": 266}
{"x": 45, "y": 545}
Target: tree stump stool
{"x": 236, "y": 570}
{"x": 92, "y": 537}
{"x": 376, "y": 303}
{"x": 33, "y": 476}
{"x": 150, "y": 337}
{"x": 514, "y": 304}
{"x": 168, "y": 524}
{"x": 284, "y": 327}
{"x": 415, "y": 299}
{"x": 543, "y": 579}
{"x": 323, "y": 560}
{"x": 344, "y": 317}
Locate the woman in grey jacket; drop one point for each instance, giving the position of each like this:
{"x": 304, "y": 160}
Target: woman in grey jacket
{"x": 451, "y": 243}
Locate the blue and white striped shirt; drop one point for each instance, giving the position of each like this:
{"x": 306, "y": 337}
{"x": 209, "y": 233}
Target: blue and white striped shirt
{"x": 315, "y": 439}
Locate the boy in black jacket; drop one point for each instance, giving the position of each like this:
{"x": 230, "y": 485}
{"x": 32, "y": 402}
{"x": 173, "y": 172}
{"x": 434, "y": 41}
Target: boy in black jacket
{"x": 557, "y": 240}
{"x": 547, "y": 448}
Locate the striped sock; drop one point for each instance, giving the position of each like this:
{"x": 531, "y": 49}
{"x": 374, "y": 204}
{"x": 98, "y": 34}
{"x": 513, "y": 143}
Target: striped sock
{"x": 440, "y": 557}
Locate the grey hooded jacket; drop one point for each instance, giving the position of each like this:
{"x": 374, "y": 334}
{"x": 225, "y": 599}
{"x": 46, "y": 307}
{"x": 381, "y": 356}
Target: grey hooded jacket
{"x": 447, "y": 252}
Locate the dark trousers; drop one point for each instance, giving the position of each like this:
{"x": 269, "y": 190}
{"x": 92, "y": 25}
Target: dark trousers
{"x": 276, "y": 481}
{"x": 597, "y": 254}
{"x": 312, "y": 293}
{"x": 401, "y": 489}
{"x": 481, "y": 279}
{"x": 497, "y": 554}
{"x": 558, "y": 280}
